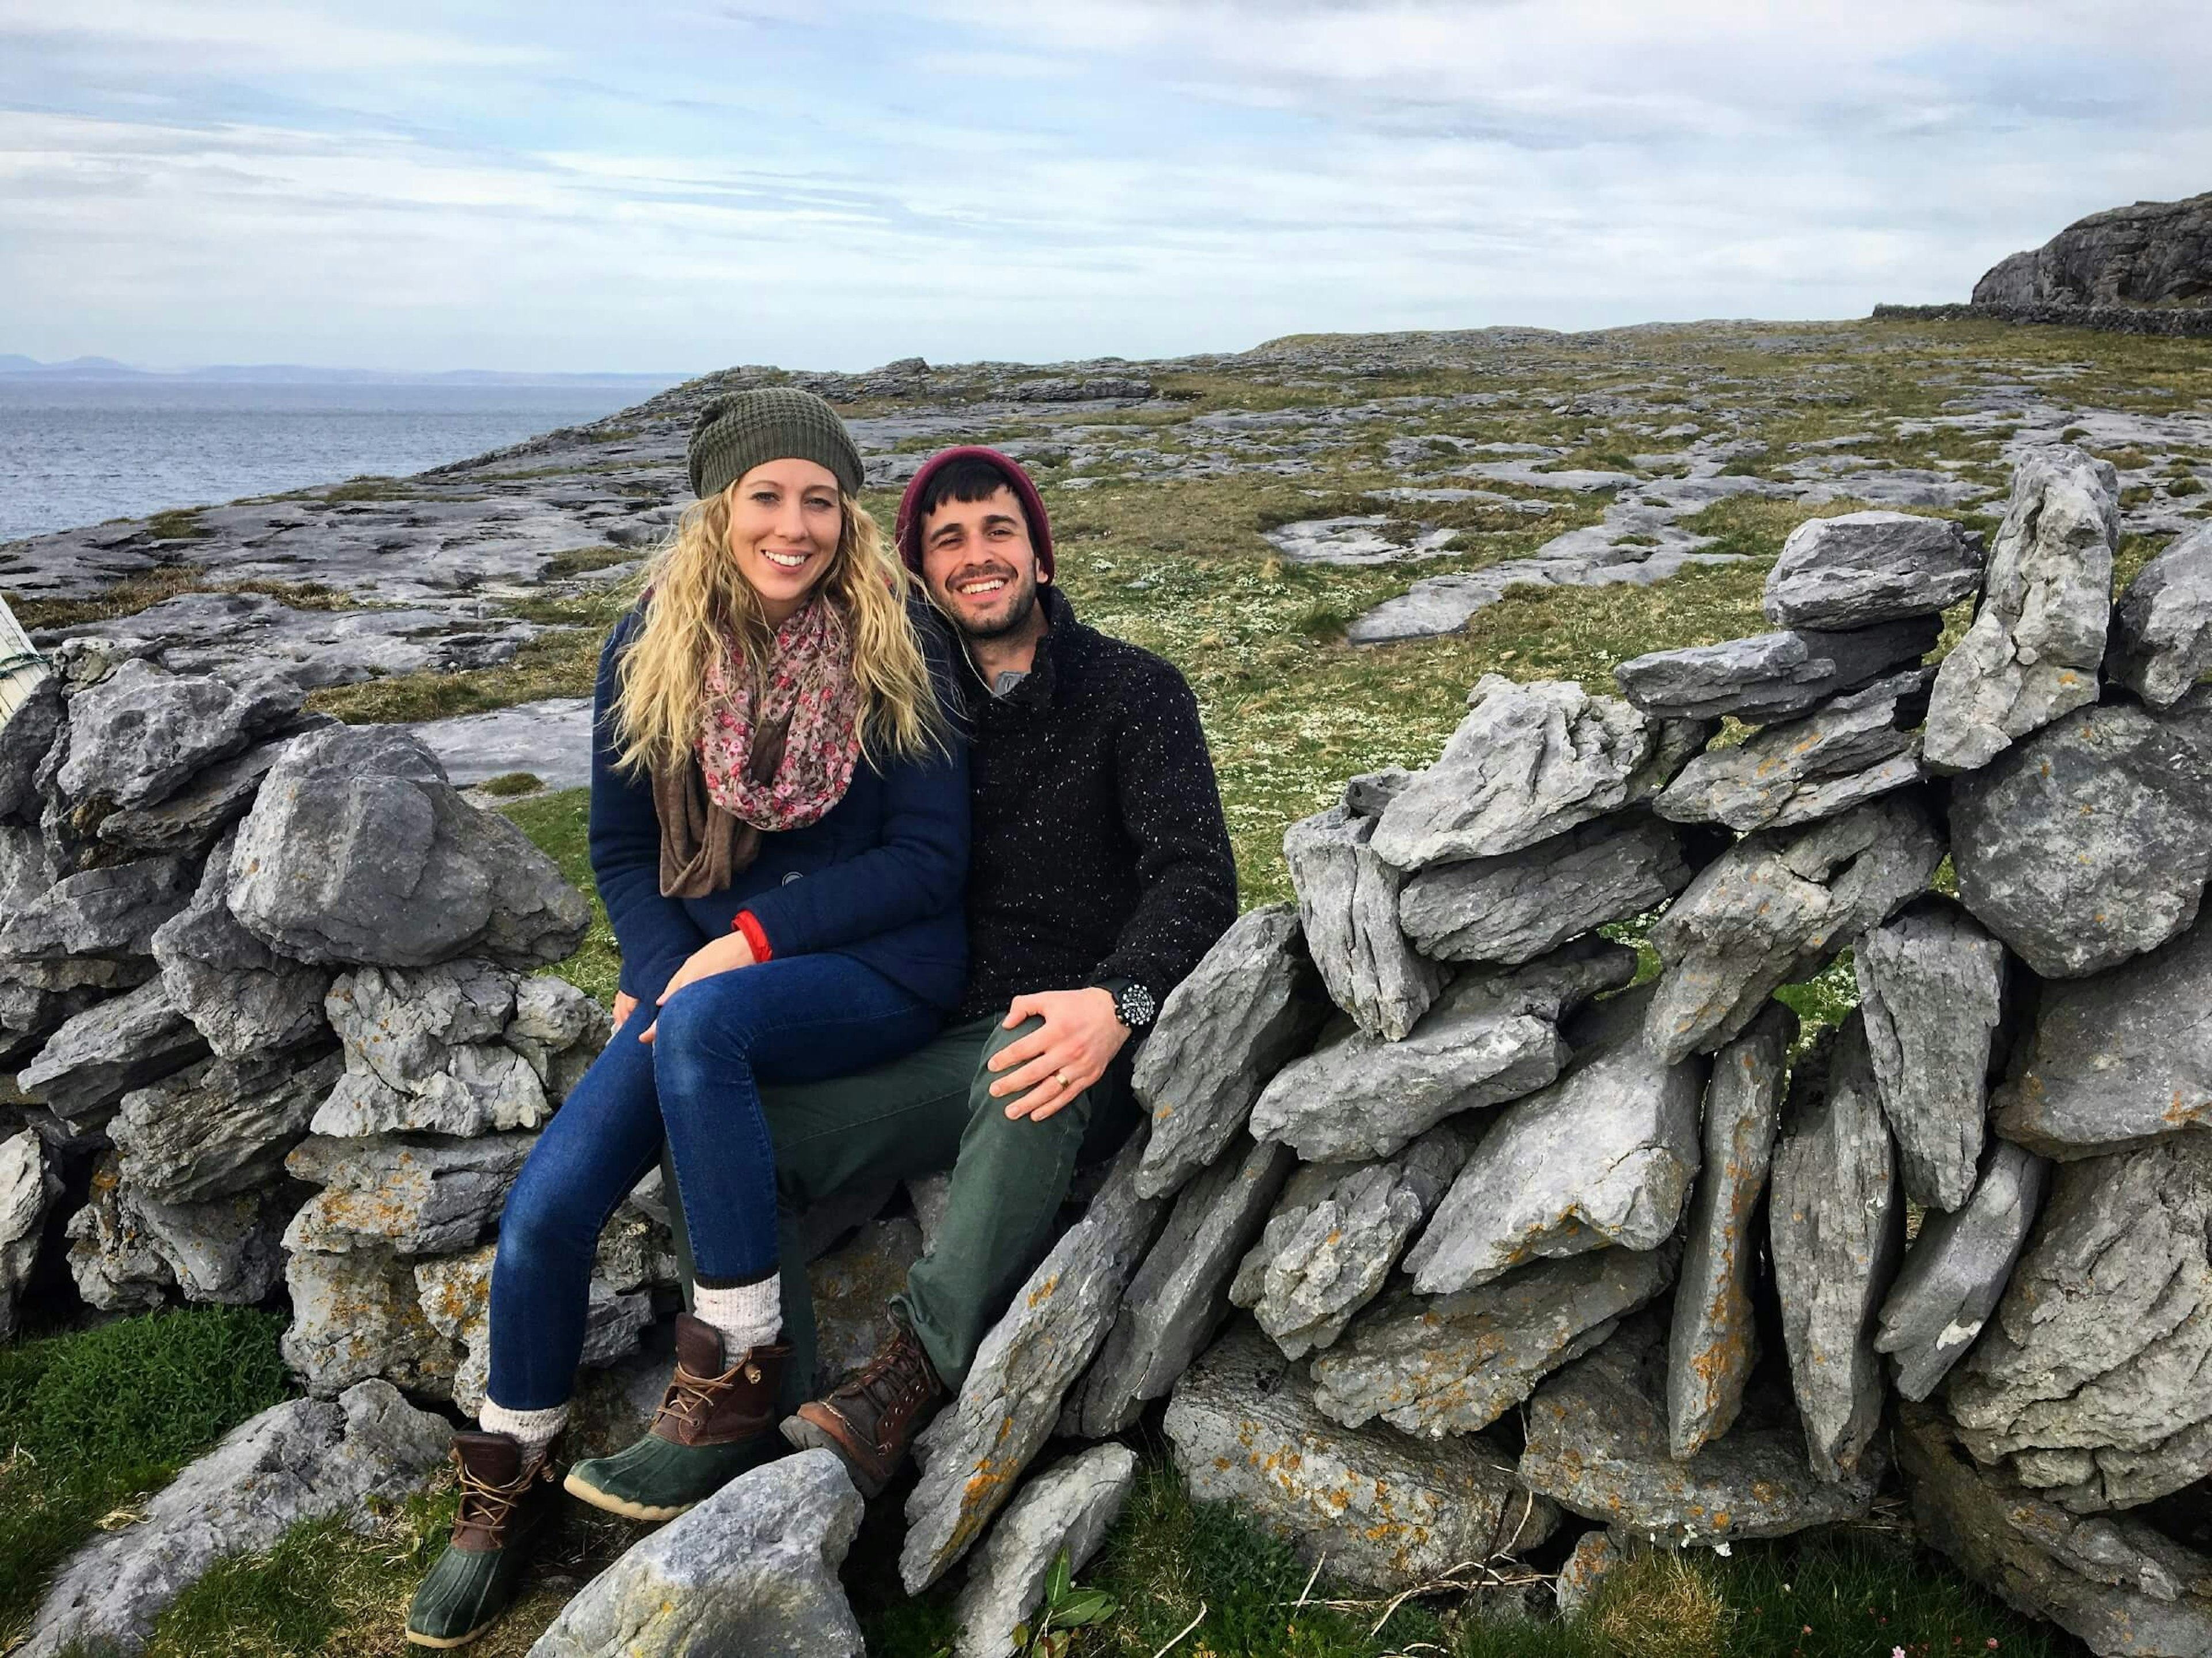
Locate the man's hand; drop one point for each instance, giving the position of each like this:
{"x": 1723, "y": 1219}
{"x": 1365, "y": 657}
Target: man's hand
{"x": 724, "y": 955}
{"x": 1081, "y": 1033}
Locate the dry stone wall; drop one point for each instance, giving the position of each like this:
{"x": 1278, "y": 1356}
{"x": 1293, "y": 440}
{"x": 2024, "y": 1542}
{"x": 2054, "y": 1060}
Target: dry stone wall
{"x": 1459, "y": 1220}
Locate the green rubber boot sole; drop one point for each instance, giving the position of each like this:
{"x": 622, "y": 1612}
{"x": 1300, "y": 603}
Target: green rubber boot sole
{"x": 658, "y": 1479}
{"x": 463, "y": 1596}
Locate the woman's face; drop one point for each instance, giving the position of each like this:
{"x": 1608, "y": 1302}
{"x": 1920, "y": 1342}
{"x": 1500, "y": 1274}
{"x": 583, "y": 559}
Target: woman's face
{"x": 785, "y": 521}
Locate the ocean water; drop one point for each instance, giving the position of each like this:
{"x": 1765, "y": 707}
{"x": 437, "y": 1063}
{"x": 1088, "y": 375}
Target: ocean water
{"x": 74, "y": 453}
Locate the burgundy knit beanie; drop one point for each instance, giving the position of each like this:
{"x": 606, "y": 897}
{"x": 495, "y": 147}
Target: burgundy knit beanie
{"x": 909, "y": 512}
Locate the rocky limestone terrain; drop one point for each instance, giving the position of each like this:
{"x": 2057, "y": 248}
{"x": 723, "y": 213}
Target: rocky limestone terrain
{"x": 1489, "y": 1193}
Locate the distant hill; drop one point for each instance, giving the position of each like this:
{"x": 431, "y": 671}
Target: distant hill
{"x": 15, "y": 366}
{"x": 2154, "y": 253}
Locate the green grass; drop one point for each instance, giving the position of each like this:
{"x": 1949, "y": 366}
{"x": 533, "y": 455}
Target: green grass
{"x": 90, "y": 1422}
{"x": 512, "y": 782}
{"x": 178, "y": 523}
{"x": 559, "y": 824}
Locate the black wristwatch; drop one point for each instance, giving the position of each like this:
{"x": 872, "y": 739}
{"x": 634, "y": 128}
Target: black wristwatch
{"x": 1133, "y": 1002}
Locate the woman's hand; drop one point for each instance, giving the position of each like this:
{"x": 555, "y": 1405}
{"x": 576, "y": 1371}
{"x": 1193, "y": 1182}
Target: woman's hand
{"x": 724, "y": 955}
{"x": 625, "y": 1004}
{"x": 1081, "y": 1033}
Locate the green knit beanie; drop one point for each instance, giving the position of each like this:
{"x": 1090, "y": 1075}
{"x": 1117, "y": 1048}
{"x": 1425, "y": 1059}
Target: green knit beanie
{"x": 775, "y": 422}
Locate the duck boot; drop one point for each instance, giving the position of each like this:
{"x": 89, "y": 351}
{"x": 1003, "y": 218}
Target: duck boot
{"x": 870, "y": 1419}
{"x": 713, "y": 1423}
{"x": 503, "y": 1503}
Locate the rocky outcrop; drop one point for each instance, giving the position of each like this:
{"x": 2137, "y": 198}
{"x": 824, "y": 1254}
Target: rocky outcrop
{"x": 2150, "y": 254}
{"x": 752, "y": 1570}
{"x": 1069, "y": 1507}
{"x": 1774, "y": 676}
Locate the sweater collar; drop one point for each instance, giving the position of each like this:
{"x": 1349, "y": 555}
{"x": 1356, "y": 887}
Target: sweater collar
{"x": 1054, "y": 649}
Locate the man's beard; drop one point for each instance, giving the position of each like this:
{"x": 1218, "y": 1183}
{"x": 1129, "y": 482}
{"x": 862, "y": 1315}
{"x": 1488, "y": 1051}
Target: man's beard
{"x": 1017, "y": 617}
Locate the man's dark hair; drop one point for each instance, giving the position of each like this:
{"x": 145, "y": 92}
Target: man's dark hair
{"x": 969, "y": 480}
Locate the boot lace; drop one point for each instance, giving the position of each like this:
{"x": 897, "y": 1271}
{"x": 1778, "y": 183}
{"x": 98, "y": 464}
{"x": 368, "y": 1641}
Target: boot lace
{"x": 689, "y": 1397}
{"x": 894, "y": 1380}
{"x": 486, "y": 1506}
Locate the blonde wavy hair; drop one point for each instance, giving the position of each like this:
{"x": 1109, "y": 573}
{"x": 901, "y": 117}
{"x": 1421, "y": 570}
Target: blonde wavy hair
{"x": 700, "y": 598}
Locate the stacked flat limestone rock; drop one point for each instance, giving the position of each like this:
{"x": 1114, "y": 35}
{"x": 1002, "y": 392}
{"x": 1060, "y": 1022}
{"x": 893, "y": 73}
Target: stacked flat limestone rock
{"x": 1427, "y": 1150}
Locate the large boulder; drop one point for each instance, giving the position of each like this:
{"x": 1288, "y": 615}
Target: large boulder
{"x": 1348, "y": 907}
{"x": 2088, "y": 1383}
{"x": 1604, "y": 1156}
{"x": 2161, "y": 642}
{"x": 1375, "y": 1508}
{"x": 752, "y": 1570}
{"x": 2120, "y": 1586}
{"x": 973, "y": 1454}
{"x": 1597, "y": 1445}
{"x": 1490, "y": 1037}
{"x": 358, "y": 851}
{"x": 2149, "y": 253}
{"x": 1072, "y": 1506}
{"x": 1516, "y": 907}
{"x": 2118, "y": 1059}
{"x": 2090, "y": 841}
{"x": 135, "y": 738}
{"x": 1957, "y": 1269}
{"x": 1861, "y": 568}
{"x": 1246, "y": 1010}
{"x": 1335, "y": 1233}
{"x": 1836, "y": 1230}
{"x": 1180, "y": 1295}
{"x": 1775, "y": 907}
{"x": 1714, "y": 1341}
{"x": 302, "y": 1460}
{"x": 1931, "y": 989}
{"x": 1845, "y": 751}
{"x": 221, "y": 1127}
{"x": 358, "y": 1316}
{"x": 129, "y": 1250}
{"x": 241, "y": 995}
{"x": 1454, "y": 1364}
{"x": 1529, "y": 762}
{"x": 1774, "y": 676}
{"x": 2038, "y": 639}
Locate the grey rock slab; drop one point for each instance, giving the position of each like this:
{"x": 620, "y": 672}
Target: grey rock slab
{"x": 975, "y": 1452}
{"x": 358, "y": 851}
{"x": 1862, "y": 569}
{"x": 219, "y": 1127}
{"x": 422, "y": 1197}
{"x": 1515, "y": 908}
{"x": 301, "y": 1460}
{"x": 1529, "y": 763}
{"x": 29, "y": 1184}
{"x": 1845, "y": 751}
{"x": 1454, "y": 1364}
{"x": 84, "y": 924}
{"x": 112, "y": 1046}
{"x": 1248, "y": 1007}
{"x": 2038, "y": 639}
{"x": 1377, "y": 1509}
{"x": 1932, "y": 992}
{"x": 2160, "y": 641}
{"x": 187, "y": 822}
{"x": 135, "y": 738}
{"x": 2122, "y": 1587}
{"x": 1179, "y": 1296}
{"x": 130, "y": 1249}
{"x": 1070, "y": 1506}
{"x": 1776, "y": 906}
{"x": 551, "y": 739}
{"x": 1713, "y": 1342}
{"x": 1334, "y": 1236}
{"x": 1490, "y": 1037}
{"x": 26, "y": 735}
{"x": 1768, "y": 677}
{"x": 1348, "y": 910}
{"x": 1604, "y": 1156}
{"x": 1597, "y": 1445}
{"x": 28, "y": 867}
{"x": 1957, "y": 1269}
{"x": 2090, "y": 840}
{"x": 424, "y": 1053}
{"x": 752, "y": 1570}
{"x": 1836, "y": 1230}
{"x": 2117, "y": 1060}
{"x": 2088, "y": 1382}
{"x": 240, "y": 995}
{"x": 359, "y": 1315}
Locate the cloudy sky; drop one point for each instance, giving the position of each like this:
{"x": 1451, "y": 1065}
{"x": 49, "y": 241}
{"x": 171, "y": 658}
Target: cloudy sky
{"x": 833, "y": 183}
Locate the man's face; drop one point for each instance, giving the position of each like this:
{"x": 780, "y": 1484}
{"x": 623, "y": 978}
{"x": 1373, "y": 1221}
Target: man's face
{"x": 979, "y": 565}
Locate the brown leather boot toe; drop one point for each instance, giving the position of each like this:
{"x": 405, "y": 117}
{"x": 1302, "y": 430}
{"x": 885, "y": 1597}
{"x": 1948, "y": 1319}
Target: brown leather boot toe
{"x": 872, "y": 1419}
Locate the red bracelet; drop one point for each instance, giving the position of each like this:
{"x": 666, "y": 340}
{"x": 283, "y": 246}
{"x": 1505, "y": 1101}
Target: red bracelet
{"x": 747, "y": 923}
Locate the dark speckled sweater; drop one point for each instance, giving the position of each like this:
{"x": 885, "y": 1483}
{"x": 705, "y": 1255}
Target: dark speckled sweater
{"x": 1098, "y": 850}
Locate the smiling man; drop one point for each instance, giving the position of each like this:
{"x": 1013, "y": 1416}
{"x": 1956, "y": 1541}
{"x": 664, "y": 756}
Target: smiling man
{"x": 1100, "y": 872}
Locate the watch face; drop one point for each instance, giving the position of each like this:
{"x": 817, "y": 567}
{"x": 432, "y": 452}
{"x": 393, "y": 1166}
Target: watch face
{"x": 1136, "y": 1007}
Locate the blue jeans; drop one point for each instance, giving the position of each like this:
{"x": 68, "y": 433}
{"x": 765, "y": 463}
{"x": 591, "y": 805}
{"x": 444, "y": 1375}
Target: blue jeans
{"x": 697, "y": 1085}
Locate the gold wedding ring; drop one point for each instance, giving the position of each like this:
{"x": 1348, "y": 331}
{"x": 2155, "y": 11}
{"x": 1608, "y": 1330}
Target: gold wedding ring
{"x": 1060, "y": 1077}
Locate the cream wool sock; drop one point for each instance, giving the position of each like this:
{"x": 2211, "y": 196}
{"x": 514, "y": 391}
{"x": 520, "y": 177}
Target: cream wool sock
{"x": 749, "y": 1316}
{"x": 535, "y": 1430}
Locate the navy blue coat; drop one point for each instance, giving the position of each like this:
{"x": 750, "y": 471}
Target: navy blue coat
{"x": 878, "y": 877}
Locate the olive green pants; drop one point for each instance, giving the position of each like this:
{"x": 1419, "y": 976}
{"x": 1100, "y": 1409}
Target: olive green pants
{"x": 931, "y": 1111}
